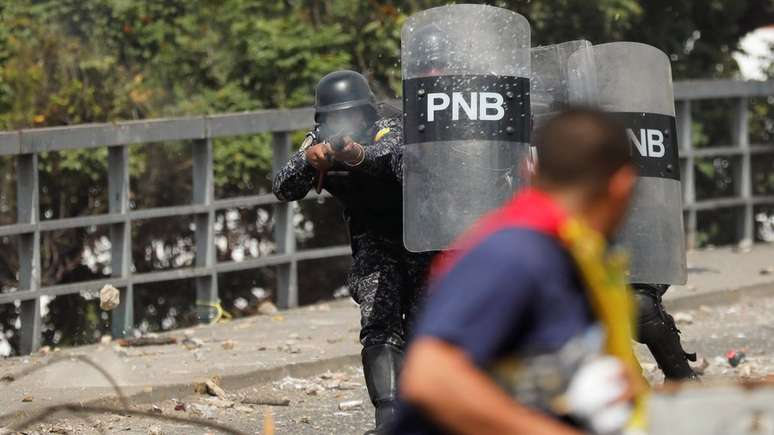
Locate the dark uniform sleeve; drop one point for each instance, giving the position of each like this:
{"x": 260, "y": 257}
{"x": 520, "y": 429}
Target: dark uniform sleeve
{"x": 295, "y": 179}
{"x": 384, "y": 158}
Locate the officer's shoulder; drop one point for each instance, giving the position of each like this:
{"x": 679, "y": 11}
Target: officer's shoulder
{"x": 385, "y": 126}
{"x": 391, "y": 122}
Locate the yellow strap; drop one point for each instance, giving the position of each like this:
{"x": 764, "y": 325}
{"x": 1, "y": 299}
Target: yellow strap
{"x": 611, "y": 299}
{"x": 221, "y": 315}
{"x": 380, "y": 134}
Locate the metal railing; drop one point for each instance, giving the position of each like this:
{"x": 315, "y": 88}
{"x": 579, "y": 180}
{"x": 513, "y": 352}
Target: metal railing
{"x": 743, "y": 201}
{"x": 25, "y": 145}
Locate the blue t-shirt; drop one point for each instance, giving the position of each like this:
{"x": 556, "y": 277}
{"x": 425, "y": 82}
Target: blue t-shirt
{"x": 517, "y": 291}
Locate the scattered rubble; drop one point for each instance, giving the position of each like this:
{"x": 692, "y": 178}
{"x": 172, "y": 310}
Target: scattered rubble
{"x": 206, "y": 411}
{"x": 109, "y": 297}
{"x": 267, "y": 308}
{"x": 268, "y": 401}
{"x": 192, "y": 343}
{"x": 155, "y": 430}
{"x": 683, "y": 318}
{"x": 735, "y": 357}
{"x": 700, "y": 366}
{"x": 229, "y": 344}
{"x": 148, "y": 340}
{"x": 289, "y": 347}
{"x": 156, "y": 409}
{"x": 221, "y": 403}
{"x": 767, "y": 270}
{"x": 351, "y": 405}
{"x": 27, "y": 399}
{"x": 211, "y": 387}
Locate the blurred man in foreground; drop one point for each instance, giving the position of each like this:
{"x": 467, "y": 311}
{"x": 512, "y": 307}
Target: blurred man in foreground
{"x": 529, "y": 325}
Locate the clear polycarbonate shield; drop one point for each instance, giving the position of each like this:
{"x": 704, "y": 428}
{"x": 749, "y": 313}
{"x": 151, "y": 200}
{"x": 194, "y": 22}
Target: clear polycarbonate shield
{"x": 561, "y": 75}
{"x": 635, "y": 86}
{"x": 466, "y": 118}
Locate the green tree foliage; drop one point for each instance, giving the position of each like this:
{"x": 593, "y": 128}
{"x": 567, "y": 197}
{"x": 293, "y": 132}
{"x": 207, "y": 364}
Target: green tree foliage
{"x": 65, "y": 62}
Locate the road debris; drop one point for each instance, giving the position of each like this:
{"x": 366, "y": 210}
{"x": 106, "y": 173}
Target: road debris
{"x": 148, "y": 340}
{"x": 45, "y": 350}
{"x": 268, "y": 401}
{"x": 27, "y": 399}
{"x": 267, "y": 308}
{"x": 105, "y": 340}
{"x": 109, "y": 297}
{"x": 192, "y": 343}
{"x": 206, "y": 411}
{"x": 289, "y": 347}
{"x": 700, "y": 366}
{"x": 220, "y": 402}
{"x": 155, "y": 430}
{"x": 351, "y": 405}
{"x": 229, "y": 344}
{"x": 156, "y": 409}
{"x": 735, "y": 357}
{"x": 683, "y": 318}
{"x": 767, "y": 270}
{"x": 211, "y": 387}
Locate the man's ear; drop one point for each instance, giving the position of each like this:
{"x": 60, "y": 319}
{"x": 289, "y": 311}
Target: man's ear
{"x": 622, "y": 183}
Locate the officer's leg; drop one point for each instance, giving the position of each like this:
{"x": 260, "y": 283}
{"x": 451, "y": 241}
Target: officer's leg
{"x": 416, "y": 268}
{"x": 657, "y": 330}
{"x": 375, "y": 284}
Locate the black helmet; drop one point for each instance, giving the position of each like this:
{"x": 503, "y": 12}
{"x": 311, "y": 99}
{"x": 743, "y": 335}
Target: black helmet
{"x": 341, "y": 90}
{"x": 434, "y": 49}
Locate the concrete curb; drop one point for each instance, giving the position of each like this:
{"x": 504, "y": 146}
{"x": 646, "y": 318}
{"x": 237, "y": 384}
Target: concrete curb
{"x": 228, "y": 382}
{"x": 719, "y": 297}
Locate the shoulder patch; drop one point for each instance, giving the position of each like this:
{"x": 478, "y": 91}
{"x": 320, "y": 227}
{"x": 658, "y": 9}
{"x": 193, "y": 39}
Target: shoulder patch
{"x": 380, "y": 134}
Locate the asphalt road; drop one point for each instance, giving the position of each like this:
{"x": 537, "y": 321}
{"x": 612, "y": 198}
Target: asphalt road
{"x": 314, "y": 403}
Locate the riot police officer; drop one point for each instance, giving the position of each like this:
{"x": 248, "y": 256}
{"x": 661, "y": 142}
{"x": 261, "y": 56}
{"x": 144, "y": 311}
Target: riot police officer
{"x": 657, "y": 330}
{"x": 356, "y": 155}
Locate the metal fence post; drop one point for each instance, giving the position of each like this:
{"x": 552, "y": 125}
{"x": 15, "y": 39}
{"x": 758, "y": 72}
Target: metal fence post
{"x": 122, "y": 320}
{"x": 27, "y": 203}
{"x": 684, "y": 120}
{"x": 203, "y": 194}
{"x": 284, "y": 235}
{"x": 743, "y": 170}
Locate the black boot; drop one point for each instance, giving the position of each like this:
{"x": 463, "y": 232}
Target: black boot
{"x": 381, "y": 365}
{"x": 657, "y": 330}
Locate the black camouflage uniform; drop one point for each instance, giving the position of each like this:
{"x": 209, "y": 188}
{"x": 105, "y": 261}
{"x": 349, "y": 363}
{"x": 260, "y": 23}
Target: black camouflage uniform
{"x": 386, "y": 280}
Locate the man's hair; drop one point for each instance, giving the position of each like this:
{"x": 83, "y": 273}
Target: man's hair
{"x": 580, "y": 147}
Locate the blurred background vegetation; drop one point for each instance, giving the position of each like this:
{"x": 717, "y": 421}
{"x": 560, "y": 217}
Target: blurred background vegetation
{"x": 66, "y": 62}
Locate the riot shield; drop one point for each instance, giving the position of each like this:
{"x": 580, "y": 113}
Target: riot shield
{"x": 561, "y": 74}
{"x": 635, "y": 86}
{"x": 466, "y": 118}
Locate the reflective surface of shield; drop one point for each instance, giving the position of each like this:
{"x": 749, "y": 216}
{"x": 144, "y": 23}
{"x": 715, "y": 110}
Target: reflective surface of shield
{"x": 561, "y": 74}
{"x": 635, "y": 85}
{"x": 466, "y": 118}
